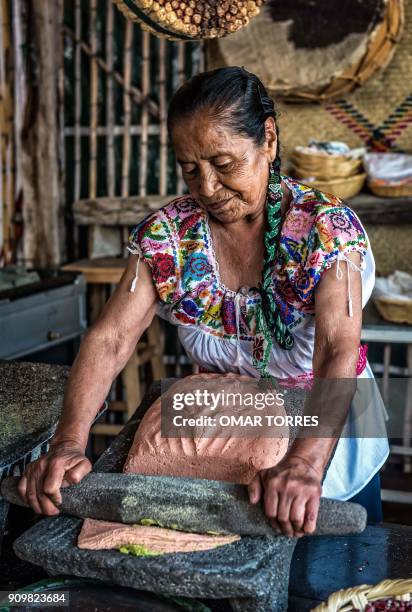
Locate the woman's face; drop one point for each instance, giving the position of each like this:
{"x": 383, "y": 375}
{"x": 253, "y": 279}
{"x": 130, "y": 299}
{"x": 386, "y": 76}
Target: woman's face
{"x": 225, "y": 172}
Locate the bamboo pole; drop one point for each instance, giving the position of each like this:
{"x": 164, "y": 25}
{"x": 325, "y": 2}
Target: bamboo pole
{"x": 134, "y": 92}
{"x": 144, "y": 139}
{"x": 9, "y": 195}
{"x": 3, "y": 201}
{"x": 7, "y": 129}
{"x": 111, "y": 169}
{"x": 181, "y": 76}
{"x": 10, "y": 159}
{"x": 127, "y": 107}
{"x": 94, "y": 85}
{"x": 163, "y": 118}
{"x": 2, "y": 252}
{"x": 60, "y": 42}
{"x": 19, "y": 88}
{"x": 77, "y": 102}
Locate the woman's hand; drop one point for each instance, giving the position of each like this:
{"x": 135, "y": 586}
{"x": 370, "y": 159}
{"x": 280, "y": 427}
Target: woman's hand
{"x": 64, "y": 464}
{"x": 291, "y": 494}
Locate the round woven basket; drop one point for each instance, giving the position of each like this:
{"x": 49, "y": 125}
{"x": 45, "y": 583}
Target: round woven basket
{"x": 342, "y": 187}
{"x": 274, "y": 47}
{"x": 359, "y": 597}
{"x": 323, "y": 166}
{"x": 390, "y": 191}
{"x": 190, "y": 19}
{"x": 394, "y": 309}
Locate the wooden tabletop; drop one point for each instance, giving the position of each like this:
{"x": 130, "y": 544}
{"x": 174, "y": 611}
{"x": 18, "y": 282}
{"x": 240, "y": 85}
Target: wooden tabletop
{"x": 105, "y": 270}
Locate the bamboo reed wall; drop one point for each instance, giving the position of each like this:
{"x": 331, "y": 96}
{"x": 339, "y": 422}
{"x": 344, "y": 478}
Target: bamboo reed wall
{"x": 118, "y": 82}
{"x": 113, "y": 84}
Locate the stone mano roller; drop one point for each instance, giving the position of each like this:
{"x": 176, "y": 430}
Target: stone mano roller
{"x": 194, "y": 505}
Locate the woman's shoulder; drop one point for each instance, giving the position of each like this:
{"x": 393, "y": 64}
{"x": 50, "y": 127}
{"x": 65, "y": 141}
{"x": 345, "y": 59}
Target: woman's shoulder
{"x": 174, "y": 241}
{"x": 319, "y": 229}
{"x": 168, "y": 222}
{"x": 313, "y": 212}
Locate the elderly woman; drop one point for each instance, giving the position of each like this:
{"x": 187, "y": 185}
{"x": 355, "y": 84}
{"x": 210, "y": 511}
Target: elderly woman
{"x": 262, "y": 275}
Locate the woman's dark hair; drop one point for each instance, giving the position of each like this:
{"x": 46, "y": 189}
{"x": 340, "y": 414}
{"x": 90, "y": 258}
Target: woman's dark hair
{"x": 239, "y": 100}
{"x": 232, "y": 95}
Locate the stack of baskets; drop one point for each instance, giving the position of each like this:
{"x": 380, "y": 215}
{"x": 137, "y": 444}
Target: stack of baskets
{"x": 340, "y": 175}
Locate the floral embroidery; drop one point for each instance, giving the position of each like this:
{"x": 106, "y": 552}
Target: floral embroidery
{"x": 163, "y": 267}
{"x": 197, "y": 266}
{"x": 176, "y": 243}
{"x": 229, "y": 316}
{"x": 190, "y": 308}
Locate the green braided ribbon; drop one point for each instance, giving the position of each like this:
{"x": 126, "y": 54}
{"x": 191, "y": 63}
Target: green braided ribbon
{"x": 269, "y": 322}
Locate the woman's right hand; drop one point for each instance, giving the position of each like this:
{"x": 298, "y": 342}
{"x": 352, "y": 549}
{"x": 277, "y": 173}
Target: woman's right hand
{"x": 64, "y": 464}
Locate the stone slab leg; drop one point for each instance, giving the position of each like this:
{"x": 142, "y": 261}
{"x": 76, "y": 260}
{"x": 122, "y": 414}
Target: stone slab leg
{"x": 273, "y": 602}
{"x": 276, "y": 598}
{"x": 4, "y": 510}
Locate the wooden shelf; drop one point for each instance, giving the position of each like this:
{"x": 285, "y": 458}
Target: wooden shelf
{"x": 381, "y": 211}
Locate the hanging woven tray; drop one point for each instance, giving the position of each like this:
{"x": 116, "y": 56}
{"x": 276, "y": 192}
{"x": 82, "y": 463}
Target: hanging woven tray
{"x": 186, "y": 20}
{"x": 314, "y": 51}
{"x": 358, "y": 598}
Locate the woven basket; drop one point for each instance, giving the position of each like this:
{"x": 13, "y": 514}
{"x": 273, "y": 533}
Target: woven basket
{"x": 323, "y": 166}
{"x": 390, "y": 191}
{"x": 394, "y": 309}
{"x": 262, "y": 40}
{"x": 358, "y": 597}
{"x": 166, "y": 22}
{"x": 342, "y": 188}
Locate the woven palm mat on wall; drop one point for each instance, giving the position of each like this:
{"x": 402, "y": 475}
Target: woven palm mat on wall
{"x": 391, "y": 248}
{"x": 378, "y": 114}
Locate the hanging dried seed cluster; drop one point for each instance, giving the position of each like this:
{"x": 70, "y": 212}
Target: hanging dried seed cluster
{"x": 201, "y": 18}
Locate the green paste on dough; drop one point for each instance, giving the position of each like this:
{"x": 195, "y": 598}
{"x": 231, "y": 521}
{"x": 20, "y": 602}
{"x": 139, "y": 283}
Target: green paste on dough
{"x": 138, "y": 551}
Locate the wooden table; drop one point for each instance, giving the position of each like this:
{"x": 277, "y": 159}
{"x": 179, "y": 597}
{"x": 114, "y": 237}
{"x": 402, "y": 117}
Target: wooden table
{"x": 99, "y": 273}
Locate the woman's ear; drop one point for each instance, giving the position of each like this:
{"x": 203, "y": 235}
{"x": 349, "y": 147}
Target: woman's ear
{"x": 271, "y": 140}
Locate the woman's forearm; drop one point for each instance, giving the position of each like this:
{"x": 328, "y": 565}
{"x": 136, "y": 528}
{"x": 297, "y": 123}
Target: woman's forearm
{"x": 94, "y": 369}
{"x": 330, "y": 399}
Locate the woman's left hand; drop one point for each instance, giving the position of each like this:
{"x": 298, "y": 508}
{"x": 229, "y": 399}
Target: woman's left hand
{"x": 291, "y": 494}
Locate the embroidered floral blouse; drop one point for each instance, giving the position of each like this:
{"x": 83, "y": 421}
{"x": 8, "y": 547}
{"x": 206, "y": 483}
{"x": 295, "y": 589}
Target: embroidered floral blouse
{"x": 217, "y": 326}
{"x": 176, "y": 242}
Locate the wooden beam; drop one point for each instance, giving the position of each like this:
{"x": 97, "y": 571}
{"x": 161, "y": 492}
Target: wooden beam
{"x": 381, "y": 211}
{"x": 117, "y": 211}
